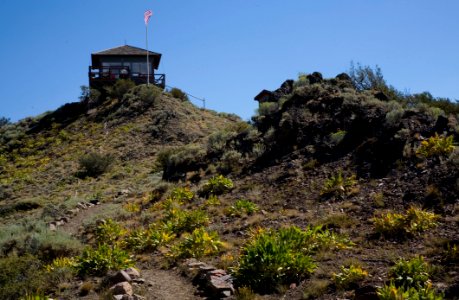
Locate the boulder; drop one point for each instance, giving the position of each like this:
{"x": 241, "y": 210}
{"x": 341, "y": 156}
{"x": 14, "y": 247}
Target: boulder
{"x": 132, "y": 272}
{"x": 315, "y": 77}
{"x": 120, "y": 276}
{"x": 122, "y": 288}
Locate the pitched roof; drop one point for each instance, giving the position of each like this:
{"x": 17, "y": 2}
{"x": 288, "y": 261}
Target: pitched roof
{"x": 125, "y": 50}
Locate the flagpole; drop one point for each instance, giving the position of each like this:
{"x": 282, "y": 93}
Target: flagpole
{"x": 148, "y": 62}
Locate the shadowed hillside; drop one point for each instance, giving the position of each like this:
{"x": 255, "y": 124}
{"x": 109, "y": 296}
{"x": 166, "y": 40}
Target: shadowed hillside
{"x": 337, "y": 188}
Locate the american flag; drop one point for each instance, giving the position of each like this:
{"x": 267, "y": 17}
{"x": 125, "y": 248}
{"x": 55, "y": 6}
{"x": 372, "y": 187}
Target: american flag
{"x": 147, "y": 15}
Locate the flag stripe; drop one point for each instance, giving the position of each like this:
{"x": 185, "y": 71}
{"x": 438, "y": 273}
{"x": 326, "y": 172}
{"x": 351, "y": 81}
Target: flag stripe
{"x": 147, "y": 15}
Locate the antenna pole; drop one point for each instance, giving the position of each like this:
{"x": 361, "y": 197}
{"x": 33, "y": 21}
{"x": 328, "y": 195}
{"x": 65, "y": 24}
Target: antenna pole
{"x": 148, "y": 61}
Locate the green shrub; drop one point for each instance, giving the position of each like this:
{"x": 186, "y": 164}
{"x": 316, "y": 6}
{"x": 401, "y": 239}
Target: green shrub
{"x": 178, "y": 220}
{"x": 338, "y": 185}
{"x": 4, "y": 121}
{"x": 410, "y": 273}
{"x": 141, "y": 240}
{"x": 392, "y": 292}
{"x": 436, "y": 146}
{"x": 212, "y": 201}
{"x": 36, "y": 239}
{"x": 109, "y": 232}
{"x": 216, "y": 185}
{"x": 145, "y": 95}
{"x": 409, "y": 279}
{"x": 35, "y": 296}
{"x": 267, "y": 108}
{"x": 95, "y": 164}
{"x": 182, "y": 195}
{"x": 179, "y": 94}
{"x": 198, "y": 244}
{"x": 349, "y": 277}
{"x": 102, "y": 259}
{"x": 230, "y": 161}
{"x": 414, "y": 220}
{"x": 120, "y": 88}
{"x": 241, "y": 207}
{"x": 20, "y": 276}
{"x": 284, "y": 256}
{"x": 181, "y": 159}
{"x": 451, "y": 253}
{"x": 337, "y": 137}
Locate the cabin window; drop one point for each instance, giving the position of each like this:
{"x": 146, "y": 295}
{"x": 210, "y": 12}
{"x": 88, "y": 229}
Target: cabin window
{"x": 139, "y": 68}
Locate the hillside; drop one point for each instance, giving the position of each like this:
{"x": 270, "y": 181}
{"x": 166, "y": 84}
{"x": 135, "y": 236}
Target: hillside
{"x": 334, "y": 190}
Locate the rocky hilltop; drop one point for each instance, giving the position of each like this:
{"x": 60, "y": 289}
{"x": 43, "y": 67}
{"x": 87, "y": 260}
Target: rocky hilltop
{"x": 337, "y": 188}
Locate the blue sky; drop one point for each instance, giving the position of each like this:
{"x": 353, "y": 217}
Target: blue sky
{"x": 225, "y": 50}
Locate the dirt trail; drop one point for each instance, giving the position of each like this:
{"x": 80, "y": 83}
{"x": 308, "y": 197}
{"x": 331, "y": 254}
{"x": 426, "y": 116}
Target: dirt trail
{"x": 76, "y": 222}
{"x": 159, "y": 284}
{"x": 167, "y": 285}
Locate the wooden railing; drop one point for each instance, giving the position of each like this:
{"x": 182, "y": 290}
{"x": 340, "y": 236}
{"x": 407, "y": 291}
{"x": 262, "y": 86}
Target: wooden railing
{"x": 99, "y": 77}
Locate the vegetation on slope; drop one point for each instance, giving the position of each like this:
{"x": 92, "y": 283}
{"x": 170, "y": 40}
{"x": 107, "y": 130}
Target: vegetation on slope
{"x": 338, "y": 188}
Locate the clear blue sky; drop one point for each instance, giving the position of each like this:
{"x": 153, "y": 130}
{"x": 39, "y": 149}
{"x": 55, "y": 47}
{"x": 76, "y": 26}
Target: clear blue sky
{"x": 225, "y": 50}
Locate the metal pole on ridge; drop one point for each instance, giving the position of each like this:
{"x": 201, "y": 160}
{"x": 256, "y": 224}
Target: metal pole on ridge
{"x": 147, "y": 16}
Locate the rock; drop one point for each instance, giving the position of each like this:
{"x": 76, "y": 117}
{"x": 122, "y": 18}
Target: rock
{"x": 94, "y": 201}
{"x": 344, "y": 77}
{"x": 118, "y": 297}
{"x": 120, "y": 276}
{"x": 139, "y": 280}
{"x": 218, "y": 281}
{"x": 315, "y": 77}
{"x": 52, "y": 226}
{"x": 367, "y": 292}
{"x": 132, "y": 272}
{"x": 100, "y": 222}
{"x": 64, "y": 219}
{"x": 206, "y": 268}
{"x": 138, "y": 297}
{"x": 226, "y": 294}
{"x": 122, "y": 288}
{"x": 60, "y": 223}
{"x": 81, "y": 205}
{"x": 124, "y": 192}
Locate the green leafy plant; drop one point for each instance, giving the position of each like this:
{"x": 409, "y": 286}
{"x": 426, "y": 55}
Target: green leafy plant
{"x": 212, "y": 201}
{"x": 141, "y": 240}
{"x": 451, "y": 253}
{"x": 409, "y": 280}
{"x": 60, "y": 263}
{"x": 410, "y": 273}
{"x": 182, "y": 195}
{"x": 414, "y": 220}
{"x": 392, "y": 292}
{"x": 34, "y": 296}
{"x": 338, "y": 185}
{"x": 197, "y": 244}
{"x": 109, "y": 232}
{"x": 180, "y": 220}
{"x": 216, "y": 186}
{"x": 273, "y": 257}
{"x": 241, "y": 207}
{"x": 102, "y": 259}
{"x": 436, "y": 146}
{"x": 337, "y": 137}
{"x": 349, "y": 277}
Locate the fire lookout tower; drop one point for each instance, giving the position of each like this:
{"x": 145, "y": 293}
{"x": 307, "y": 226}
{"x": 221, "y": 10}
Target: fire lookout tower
{"x": 124, "y": 62}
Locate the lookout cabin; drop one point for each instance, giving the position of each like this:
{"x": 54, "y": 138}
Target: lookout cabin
{"x": 124, "y": 62}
